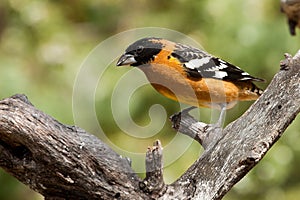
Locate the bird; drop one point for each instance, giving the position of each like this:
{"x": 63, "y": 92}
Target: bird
{"x": 189, "y": 75}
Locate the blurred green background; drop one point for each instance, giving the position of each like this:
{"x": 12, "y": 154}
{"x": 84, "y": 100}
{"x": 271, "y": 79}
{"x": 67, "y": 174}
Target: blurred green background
{"x": 43, "y": 43}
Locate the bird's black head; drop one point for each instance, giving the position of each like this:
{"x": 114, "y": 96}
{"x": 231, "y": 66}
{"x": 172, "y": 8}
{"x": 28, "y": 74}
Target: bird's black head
{"x": 141, "y": 52}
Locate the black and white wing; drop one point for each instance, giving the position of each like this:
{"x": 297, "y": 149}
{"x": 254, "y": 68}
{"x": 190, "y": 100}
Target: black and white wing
{"x": 199, "y": 64}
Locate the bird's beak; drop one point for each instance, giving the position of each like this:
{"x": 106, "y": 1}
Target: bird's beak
{"x": 126, "y": 59}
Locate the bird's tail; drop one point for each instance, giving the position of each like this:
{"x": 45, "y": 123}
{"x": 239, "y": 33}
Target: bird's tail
{"x": 249, "y": 92}
{"x": 256, "y": 90}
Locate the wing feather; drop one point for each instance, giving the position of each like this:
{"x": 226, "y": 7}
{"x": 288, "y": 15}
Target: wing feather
{"x": 198, "y": 64}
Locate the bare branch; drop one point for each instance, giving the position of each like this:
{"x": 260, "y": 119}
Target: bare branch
{"x": 205, "y": 134}
{"x": 60, "y": 161}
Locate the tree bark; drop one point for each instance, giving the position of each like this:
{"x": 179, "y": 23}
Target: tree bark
{"x": 60, "y": 161}
{"x": 65, "y": 162}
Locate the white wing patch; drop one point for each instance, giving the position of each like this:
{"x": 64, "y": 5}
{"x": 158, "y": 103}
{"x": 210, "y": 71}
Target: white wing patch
{"x": 247, "y": 77}
{"x": 217, "y": 67}
{"x": 220, "y": 74}
{"x": 245, "y": 74}
{"x": 196, "y": 63}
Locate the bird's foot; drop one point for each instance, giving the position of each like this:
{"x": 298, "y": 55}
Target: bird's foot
{"x": 176, "y": 118}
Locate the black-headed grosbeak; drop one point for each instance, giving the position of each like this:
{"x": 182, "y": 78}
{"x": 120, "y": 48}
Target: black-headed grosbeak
{"x": 189, "y": 75}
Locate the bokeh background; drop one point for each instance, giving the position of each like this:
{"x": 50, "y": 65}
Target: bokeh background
{"x": 43, "y": 43}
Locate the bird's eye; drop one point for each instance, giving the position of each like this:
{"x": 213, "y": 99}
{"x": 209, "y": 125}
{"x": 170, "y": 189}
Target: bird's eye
{"x": 139, "y": 49}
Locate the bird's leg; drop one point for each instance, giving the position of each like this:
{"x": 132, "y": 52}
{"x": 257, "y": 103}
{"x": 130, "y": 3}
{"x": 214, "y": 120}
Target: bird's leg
{"x": 222, "y": 116}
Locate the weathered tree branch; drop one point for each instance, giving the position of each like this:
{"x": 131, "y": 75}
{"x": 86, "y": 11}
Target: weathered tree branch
{"x": 65, "y": 162}
{"x": 60, "y": 161}
{"x": 203, "y": 133}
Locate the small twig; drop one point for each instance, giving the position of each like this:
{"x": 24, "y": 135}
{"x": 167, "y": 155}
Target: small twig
{"x": 154, "y": 183}
{"x": 284, "y": 64}
{"x": 205, "y": 134}
{"x": 291, "y": 8}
